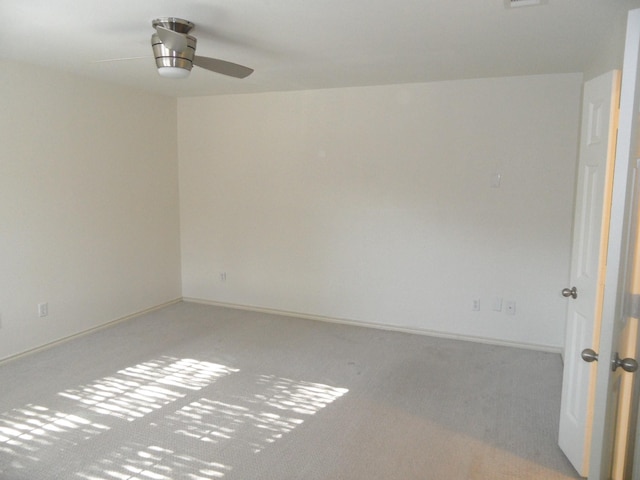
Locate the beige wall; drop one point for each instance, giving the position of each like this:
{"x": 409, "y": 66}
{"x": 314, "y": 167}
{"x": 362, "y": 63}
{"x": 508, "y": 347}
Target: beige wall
{"x": 369, "y": 204}
{"x": 88, "y": 204}
{"x": 375, "y": 204}
{"x": 608, "y": 52}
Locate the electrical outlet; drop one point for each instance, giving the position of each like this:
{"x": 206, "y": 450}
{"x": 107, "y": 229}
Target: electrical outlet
{"x": 43, "y": 309}
{"x": 475, "y": 305}
{"x": 511, "y": 307}
{"x": 223, "y": 276}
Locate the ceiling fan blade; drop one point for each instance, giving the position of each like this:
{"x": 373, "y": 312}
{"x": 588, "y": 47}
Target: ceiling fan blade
{"x": 172, "y": 40}
{"x": 222, "y": 66}
{"x": 121, "y": 59}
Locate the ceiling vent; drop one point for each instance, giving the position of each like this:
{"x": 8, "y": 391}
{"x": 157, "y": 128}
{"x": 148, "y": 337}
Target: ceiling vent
{"x": 523, "y": 3}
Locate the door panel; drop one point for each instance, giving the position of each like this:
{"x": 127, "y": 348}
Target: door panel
{"x": 591, "y": 222}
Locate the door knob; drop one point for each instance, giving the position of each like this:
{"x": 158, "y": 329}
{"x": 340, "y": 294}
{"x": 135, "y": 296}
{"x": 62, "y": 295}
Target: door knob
{"x": 570, "y": 292}
{"x": 627, "y": 364}
{"x": 589, "y": 355}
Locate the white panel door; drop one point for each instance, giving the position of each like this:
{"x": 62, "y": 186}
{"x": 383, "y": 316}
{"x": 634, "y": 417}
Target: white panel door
{"x": 591, "y": 224}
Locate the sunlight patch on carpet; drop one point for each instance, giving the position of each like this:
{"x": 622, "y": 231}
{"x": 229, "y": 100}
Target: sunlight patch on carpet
{"x": 136, "y": 391}
{"x": 165, "y": 418}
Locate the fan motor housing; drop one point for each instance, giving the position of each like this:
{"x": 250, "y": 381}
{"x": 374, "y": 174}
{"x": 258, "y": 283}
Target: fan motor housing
{"x": 166, "y": 57}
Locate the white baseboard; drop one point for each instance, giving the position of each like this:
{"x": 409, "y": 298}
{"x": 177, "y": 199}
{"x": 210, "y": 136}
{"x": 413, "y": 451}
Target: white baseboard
{"x": 272, "y": 311}
{"x": 394, "y": 328}
{"x": 90, "y": 330}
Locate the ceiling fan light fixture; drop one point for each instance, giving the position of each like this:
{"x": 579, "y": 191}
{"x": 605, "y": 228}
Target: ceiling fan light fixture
{"x": 173, "y": 72}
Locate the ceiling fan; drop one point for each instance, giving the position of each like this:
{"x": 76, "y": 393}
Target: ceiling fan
{"x": 174, "y": 50}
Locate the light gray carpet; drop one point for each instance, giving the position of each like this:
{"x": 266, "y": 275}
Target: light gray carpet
{"x": 200, "y": 392}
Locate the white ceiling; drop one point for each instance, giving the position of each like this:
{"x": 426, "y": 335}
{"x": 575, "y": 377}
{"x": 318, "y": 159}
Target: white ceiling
{"x": 301, "y": 44}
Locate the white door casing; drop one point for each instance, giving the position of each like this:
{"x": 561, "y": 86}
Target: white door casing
{"x": 591, "y": 224}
